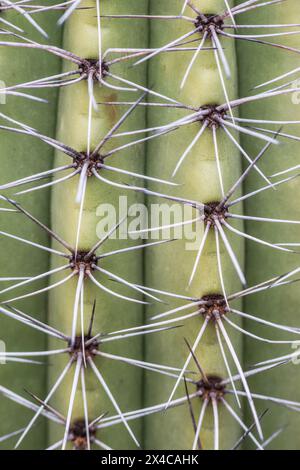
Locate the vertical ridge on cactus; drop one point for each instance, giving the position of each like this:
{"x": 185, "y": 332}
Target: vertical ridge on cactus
{"x": 82, "y": 126}
{"x": 22, "y": 156}
{"x": 284, "y": 202}
{"x": 169, "y": 269}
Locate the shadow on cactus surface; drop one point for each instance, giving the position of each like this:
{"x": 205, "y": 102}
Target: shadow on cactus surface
{"x": 149, "y": 224}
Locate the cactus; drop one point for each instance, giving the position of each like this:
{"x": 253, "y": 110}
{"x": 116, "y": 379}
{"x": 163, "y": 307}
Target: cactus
{"x": 146, "y": 222}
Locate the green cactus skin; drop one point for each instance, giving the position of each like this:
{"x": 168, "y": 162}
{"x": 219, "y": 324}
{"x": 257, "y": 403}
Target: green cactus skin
{"x": 20, "y": 157}
{"x": 125, "y": 382}
{"x": 282, "y": 307}
{"x": 172, "y": 268}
